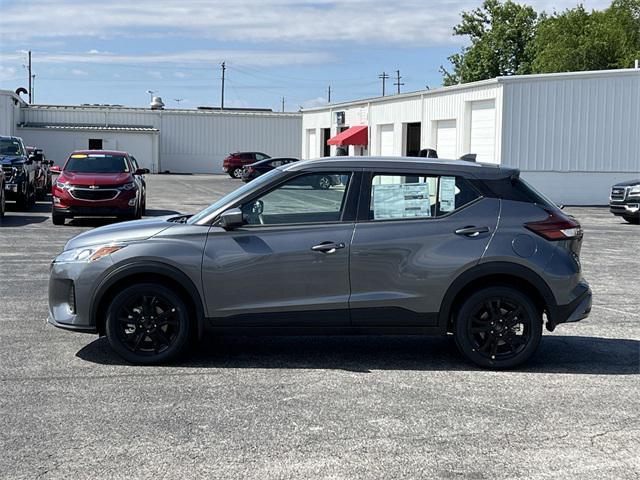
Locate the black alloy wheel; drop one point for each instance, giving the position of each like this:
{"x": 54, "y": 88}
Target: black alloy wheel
{"x": 147, "y": 324}
{"x": 498, "y": 327}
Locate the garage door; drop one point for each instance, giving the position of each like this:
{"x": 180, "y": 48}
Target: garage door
{"x": 385, "y": 136}
{"x": 446, "y": 139}
{"x": 312, "y": 144}
{"x": 483, "y": 130}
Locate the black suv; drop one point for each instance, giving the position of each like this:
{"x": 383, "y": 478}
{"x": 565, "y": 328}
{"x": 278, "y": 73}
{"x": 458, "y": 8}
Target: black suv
{"x": 625, "y": 200}
{"x": 19, "y": 172}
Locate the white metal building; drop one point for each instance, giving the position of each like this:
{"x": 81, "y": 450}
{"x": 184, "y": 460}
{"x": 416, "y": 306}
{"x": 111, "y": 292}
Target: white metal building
{"x": 573, "y": 135}
{"x": 180, "y": 141}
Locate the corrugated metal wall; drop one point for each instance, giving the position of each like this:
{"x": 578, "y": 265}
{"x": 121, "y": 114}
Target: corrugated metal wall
{"x": 190, "y": 141}
{"x": 574, "y": 123}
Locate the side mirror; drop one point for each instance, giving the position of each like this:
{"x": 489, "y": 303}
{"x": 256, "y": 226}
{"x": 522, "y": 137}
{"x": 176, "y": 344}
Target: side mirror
{"x": 232, "y": 218}
{"x": 55, "y": 169}
{"x": 142, "y": 171}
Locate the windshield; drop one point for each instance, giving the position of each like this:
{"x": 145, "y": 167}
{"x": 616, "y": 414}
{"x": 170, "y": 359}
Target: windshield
{"x": 96, "y": 163}
{"x": 10, "y": 146}
{"x": 235, "y": 195}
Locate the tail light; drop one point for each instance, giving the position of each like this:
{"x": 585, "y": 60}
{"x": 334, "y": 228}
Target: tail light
{"x": 556, "y": 226}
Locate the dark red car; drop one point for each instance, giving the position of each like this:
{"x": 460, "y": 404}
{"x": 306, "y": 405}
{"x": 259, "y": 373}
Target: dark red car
{"x": 235, "y": 162}
{"x": 98, "y": 183}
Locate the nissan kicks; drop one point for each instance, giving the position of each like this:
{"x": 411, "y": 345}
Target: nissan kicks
{"x": 398, "y": 246}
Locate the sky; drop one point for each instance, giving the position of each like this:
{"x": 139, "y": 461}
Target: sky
{"x": 114, "y": 51}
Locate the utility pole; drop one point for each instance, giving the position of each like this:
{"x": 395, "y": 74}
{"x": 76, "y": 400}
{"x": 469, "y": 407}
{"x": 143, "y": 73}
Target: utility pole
{"x": 383, "y": 76}
{"x": 33, "y": 88}
{"x": 329, "y": 94}
{"x": 224, "y": 67}
{"x": 398, "y": 77}
{"x": 282, "y": 104}
{"x": 30, "y": 78}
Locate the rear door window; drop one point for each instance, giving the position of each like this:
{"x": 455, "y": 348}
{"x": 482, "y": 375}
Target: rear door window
{"x": 407, "y": 196}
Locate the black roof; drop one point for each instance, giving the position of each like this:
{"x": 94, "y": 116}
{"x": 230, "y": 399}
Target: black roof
{"x": 480, "y": 170}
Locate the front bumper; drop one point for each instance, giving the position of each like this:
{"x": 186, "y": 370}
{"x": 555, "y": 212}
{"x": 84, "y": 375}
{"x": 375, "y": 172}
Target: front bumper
{"x": 70, "y": 212}
{"x": 626, "y": 209}
{"x": 72, "y": 311}
{"x": 13, "y": 189}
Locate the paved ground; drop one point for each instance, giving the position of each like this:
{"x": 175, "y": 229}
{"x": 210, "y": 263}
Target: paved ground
{"x": 315, "y": 407}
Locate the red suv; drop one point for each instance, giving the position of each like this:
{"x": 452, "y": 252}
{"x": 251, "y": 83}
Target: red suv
{"x": 235, "y": 162}
{"x": 98, "y": 183}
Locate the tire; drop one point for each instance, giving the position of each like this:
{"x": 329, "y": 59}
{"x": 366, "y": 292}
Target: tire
{"x": 630, "y": 219}
{"x": 57, "y": 219}
{"x": 236, "y": 172}
{"x": 323, "y": 183}
{"x": 134, "y": 328}
{"x": 143, "y": 209}
{"x": 41, "y": 193}
{"x": 23, "y": 202}
{"x": 498, "y": 328}
{"x": 138, "y": 214}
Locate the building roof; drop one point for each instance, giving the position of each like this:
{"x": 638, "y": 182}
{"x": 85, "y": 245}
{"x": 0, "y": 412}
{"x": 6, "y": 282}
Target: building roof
{"x": 481, "y": 83}
{"x": 97, "y": 128}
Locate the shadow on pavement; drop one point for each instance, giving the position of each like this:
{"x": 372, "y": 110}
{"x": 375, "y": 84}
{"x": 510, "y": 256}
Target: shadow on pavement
{"x": 19, "y": 218}
{"x": 557, "y": 354}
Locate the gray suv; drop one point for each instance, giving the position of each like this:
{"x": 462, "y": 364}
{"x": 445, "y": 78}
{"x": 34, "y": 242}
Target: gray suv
{"x": 396, "y": 246}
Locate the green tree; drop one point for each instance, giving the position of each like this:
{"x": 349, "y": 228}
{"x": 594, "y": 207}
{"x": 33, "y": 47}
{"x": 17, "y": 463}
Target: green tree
{"x": 576, "y": 40}
{"x": 499, "y": 34}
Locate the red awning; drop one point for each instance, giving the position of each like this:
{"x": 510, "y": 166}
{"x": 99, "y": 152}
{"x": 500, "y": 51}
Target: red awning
{"x": 351, "y": 136}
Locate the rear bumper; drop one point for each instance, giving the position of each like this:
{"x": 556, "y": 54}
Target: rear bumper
{"x": 575, "y": 311}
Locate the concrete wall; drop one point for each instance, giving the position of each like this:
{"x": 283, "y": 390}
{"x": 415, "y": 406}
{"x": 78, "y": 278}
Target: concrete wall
{"x": 9, "y": 112}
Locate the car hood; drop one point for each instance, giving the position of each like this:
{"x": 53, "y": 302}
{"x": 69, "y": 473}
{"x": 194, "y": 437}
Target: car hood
{"x": 122, "y": 232}
{"x": 11, "y": 159}
{"x": 628, "y": 183}
{"x": 95, "y": 178}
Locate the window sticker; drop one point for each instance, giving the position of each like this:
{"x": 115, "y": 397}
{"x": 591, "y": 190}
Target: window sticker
{"x": 403, "y": 200}
{"x": 447, "y": 194}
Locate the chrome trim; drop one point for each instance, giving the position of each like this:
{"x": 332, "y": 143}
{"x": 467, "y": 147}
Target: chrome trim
{"x": 621, "y": 194}
{"x": 71, "y": 189}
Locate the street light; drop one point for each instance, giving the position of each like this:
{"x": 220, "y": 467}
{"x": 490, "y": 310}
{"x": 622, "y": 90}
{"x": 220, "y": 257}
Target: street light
{"x": 151, "y": 92}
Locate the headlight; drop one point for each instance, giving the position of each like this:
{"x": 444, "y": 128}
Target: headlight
{"x": 128, "y": 186}
{"x": 635, "y": 190}
{"x": 87, "y": 254}
{"x": 62, "y": 185}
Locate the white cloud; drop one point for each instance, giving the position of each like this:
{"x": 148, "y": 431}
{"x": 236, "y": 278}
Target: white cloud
{"x": 79, "y": 73}
{"x": 155, "y": 74}
{"x": 7, "y": 73}
{"x": 378, "y": 22}
{"x": 181, "y": 75}
{"x": 313, "y": 102}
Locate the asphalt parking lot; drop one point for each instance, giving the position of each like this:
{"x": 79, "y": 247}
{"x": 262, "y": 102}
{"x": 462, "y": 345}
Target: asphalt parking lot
{"x": 315, "y": 407}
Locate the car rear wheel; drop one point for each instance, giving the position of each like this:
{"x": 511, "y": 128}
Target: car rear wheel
{"x": 498, "y": 328}
{"x": 236, "y": 172}
{"x": 3, "y": 204}
{"x": 147, "y": 324}
{"x": 630, "y": 219}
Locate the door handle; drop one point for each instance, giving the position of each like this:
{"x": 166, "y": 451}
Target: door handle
{"x": 327, "y": 247}
{"x": 471, "y": 231}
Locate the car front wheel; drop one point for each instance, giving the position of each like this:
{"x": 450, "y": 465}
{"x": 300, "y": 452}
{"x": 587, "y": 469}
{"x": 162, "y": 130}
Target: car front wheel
{"x": 630, "y": 219}
{"x": 147, "y": 324}
{"x": 498, "y": 328}
{"x": 236, "y": 172}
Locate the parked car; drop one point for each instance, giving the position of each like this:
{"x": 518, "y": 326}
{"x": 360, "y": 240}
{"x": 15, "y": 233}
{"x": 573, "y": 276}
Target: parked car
{"x": 19, "y": 172}
{"x": 235, "y": 162}
{"x": 625, "y": 200}
{"x": 2, "y": 194}
{"x": 254, "y": 170}
{"x": 43, "y": 176}
{"x": 402, "y": 246}
{"x": 98, "y": 183}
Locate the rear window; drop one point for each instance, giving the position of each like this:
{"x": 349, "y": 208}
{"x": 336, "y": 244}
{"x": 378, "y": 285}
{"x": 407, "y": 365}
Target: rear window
{"x": 96, "y": 163}
{"x": 517, "y": 190}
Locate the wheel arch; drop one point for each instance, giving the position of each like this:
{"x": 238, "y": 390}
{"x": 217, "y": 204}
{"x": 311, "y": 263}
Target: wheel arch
{"x": 490, "y": 274}
{"x": 147, "y": 272}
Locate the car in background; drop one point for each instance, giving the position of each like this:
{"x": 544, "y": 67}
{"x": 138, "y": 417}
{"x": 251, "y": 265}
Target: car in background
{"x": 2, "y": 200}
{"x": 254, "y": 170}
{"x": 98, "y": 183}
{"x": 43, "y": 177}
{"x": 235, "y": 162}
{"x": 19, "y": 172}
{"x": 402, "y": 246}
{"x": 624, "y": 200}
